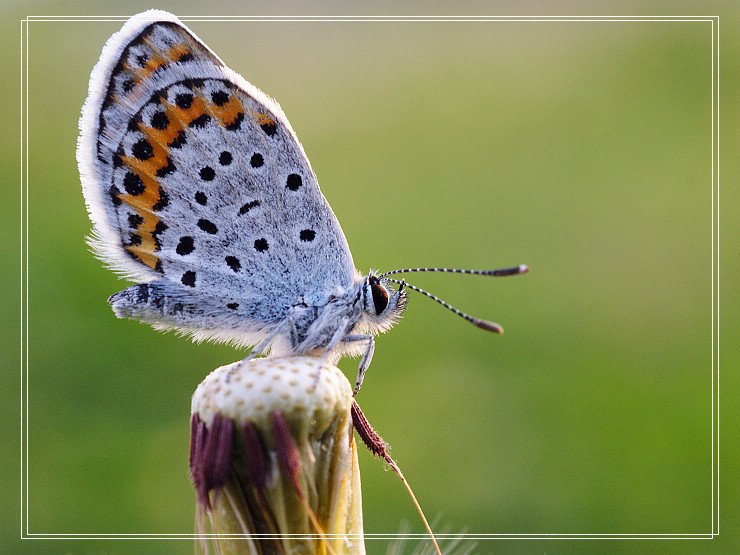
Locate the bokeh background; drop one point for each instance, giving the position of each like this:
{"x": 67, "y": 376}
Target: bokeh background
{"x": 583, "y": 149}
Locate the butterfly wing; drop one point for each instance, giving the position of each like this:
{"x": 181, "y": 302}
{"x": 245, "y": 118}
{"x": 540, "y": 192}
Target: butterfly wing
{"x": 197, "y": 185}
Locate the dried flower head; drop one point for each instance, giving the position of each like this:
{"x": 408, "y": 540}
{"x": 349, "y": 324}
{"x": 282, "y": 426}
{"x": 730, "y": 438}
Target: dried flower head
{"x": 273, "y": 459}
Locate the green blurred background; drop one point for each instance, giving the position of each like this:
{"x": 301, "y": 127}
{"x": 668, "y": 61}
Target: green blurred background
{"x": 583, "y": 149}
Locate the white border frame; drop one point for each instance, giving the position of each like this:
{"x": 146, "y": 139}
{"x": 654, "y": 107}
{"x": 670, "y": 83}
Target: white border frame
{"x": 26, "y": 534}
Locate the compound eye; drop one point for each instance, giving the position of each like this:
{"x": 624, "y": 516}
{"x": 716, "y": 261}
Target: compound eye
{"x": 380, "y": 297}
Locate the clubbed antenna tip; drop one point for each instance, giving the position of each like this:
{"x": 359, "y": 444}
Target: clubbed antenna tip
{"x": 486, "y": 325}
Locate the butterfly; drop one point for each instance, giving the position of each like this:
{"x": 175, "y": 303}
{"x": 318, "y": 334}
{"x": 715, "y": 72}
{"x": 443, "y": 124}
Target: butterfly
{"x": 198, "y": 189}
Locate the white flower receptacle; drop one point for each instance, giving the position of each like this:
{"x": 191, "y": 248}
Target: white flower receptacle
{"x": 273, "y": 458}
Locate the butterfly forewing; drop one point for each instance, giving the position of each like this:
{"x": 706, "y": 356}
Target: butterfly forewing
{"x": 195, "y": 177}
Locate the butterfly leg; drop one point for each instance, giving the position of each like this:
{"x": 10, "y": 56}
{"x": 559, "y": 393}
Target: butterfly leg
{"x": 333, "y": 342}
{"x": 365, "y": 360}
{"x": 262, "y": 346}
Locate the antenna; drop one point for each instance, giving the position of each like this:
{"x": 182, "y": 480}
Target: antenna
{"x": 521, "y": 269}
{"x": 483, "y": 324}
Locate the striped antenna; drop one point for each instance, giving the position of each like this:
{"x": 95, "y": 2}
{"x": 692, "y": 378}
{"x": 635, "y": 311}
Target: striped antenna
{"x": 521, "y": 269}
{"x": 483, "y": 324}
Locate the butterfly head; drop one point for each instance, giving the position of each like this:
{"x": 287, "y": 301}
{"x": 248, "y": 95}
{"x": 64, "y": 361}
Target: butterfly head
{"x": 381, "y": 304}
